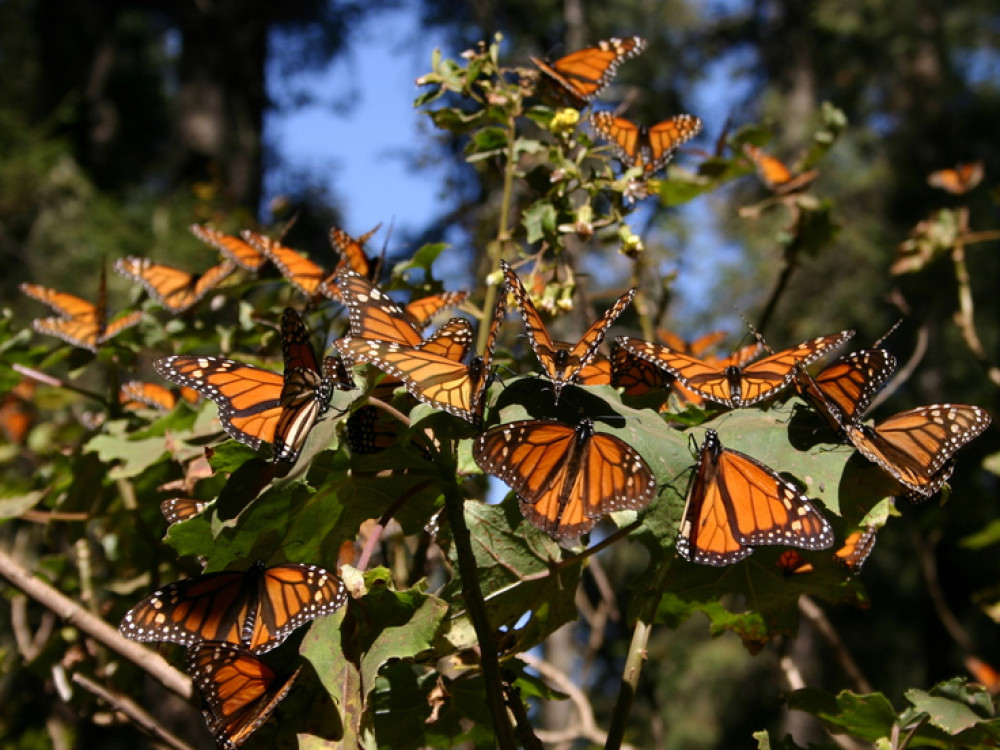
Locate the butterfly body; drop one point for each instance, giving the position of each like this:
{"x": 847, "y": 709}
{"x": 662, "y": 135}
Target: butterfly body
{"x": 735, "y": 385}
{"x": 256, "y": 609}
{"x": 650, "y": 148}
{"x": 736, "y": 503}
{"x": 576, "y": 79}
{"x": 239, "y": 690}
{"x": 566, "y": 478}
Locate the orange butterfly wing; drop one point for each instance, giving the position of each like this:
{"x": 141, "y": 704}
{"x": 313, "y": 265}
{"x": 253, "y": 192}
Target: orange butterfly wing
{"x": 736, "y": 503}
{"x": 135, "y": 394}
{"x": 563, "y": 363}
{"x": 791, "y": 563}
{"x": 420, "y": 311}
{"x": 856, "y": 549}
{"x": 240, "y": 252}
{"x": 773, "y": 172}
{"x": 258, "y": 608}
{"x": 374, "y": 314}
{"x": 732, "y": 385}
{"x": 580, "y": 76}
{"x": 566, "y": 478}
{"x": 352, "y": 251}
{"x": 308, "y": 277}
{"x": 249, "y": 398}
{"x": 240, "y": 691}
{"x": 177, "y": 509}
{"x": 82, "y": 324}
{"x": 176, "y": 290}
{"x": 916, "y": 447}
{"x": 842, "y": 392}
{"x": 651, "y": 148}
{"x": 959, "y": 180}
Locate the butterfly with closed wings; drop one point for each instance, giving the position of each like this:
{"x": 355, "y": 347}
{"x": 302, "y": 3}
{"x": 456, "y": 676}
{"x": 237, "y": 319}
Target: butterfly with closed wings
{"x": 562, "y": 362}
{"x": 240, "y": 691}
{"x": 774, "y": 174}
{"x": 256, "y": 609}
{"x": 260, "y": 406}
{"x": 736, "y": 503}
{"x": 566, "y": 478}
{"x": 576, "y": 79}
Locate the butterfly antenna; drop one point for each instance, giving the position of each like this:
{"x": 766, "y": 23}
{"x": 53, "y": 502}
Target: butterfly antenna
{"x": 757, "y": 334}
{"x": 288, "y": 225}
{"x": 385, "y": 246}
{"x": 888, "y": 333}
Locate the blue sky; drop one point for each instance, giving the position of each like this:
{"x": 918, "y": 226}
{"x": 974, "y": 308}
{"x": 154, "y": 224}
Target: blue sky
{"x": 360, "y": 150}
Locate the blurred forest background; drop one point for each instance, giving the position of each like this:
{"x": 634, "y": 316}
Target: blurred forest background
{"x": 123, "y": 122}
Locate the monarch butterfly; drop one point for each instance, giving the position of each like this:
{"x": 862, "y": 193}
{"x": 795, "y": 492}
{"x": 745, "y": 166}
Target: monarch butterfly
{"x": 256, "y": 609}
{"x": 651, "y": 147}
{"x": 734, "y": 385}
{"x": 257, "y": 405}
{"x": 238, "y": 251}
{"x": 773, "y": 173}
{"x": 240, "y": 691}
{"x": 430, "y": 376}
{"x": 352, "y": 252}
{"x": 791, "y": 563}
{"x": 308, "y": 277}
{"x": 566, "y": 478}
{"x": 736, "y": 503}
{"x": 135, "y": 394}
{"x": 82, "y": 323}
{"x": 562, "y": 362}
{"x": 858, "y": 545}
{"x": 367, "y": 430}
{"x": 574, "y": 80}
{"x": 843, "y": 391}
{"x": 176, "y": 290}
{"x": 959, "y": 180}
{"x": 916, "y": 447}
{"x": 177, "y": 509}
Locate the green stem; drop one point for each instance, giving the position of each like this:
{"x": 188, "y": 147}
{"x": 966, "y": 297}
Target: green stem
{"x": 496, "y": 248}
{"x": 476, "y": 606}
{"x": 634, "y": 660}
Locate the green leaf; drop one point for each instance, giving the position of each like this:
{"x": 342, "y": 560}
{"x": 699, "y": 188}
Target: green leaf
{"x": 15, "y": 506}
{"x": 867, "y": 717}
{"x": 539, "y": 220}
{"x": 117, "y": 445}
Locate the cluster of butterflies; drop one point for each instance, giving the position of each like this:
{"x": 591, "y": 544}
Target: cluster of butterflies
{"x": 567, "y": 477}
{"x": 227, "y": 620}
{"x": 575, "y": 81}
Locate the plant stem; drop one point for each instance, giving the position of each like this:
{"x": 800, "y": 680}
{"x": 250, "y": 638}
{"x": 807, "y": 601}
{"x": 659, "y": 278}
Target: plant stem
{"x": 473, "y": 598}
{"x": 496, "y": 247}
{"x": 636, "y": 657}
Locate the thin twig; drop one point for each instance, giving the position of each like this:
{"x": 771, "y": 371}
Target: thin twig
{"x": 811, "y": 611}
{"x": 376, "y": 533}
{"x": 925, "y": 556}
{"x": 46, "y": 379}
{"x": 586, "y": 726}
{"x": 95, "y": 627}
{"x": 132, "y": 711}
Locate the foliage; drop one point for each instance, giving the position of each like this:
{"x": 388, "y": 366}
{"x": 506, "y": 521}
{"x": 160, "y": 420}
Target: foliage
{"x": 426, "y": 653}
